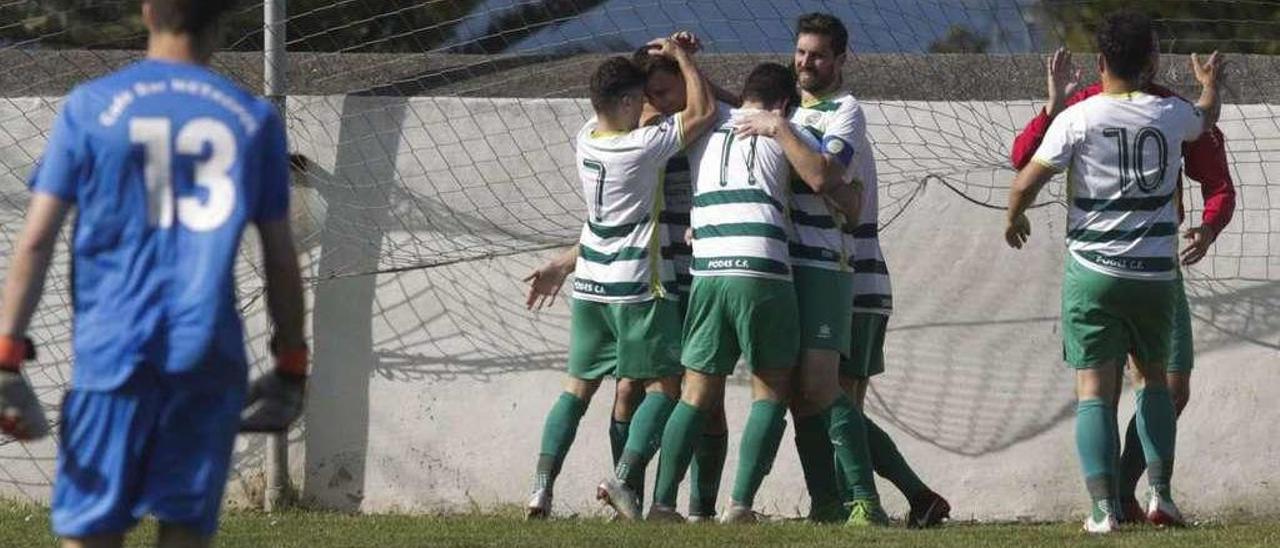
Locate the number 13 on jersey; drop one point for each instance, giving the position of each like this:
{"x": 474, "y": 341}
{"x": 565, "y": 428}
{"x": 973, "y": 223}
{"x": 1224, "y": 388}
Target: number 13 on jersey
{"x": 213, "y": 173}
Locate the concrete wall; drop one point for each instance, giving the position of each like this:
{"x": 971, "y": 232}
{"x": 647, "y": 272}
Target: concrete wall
{"x": 431, "y": 384}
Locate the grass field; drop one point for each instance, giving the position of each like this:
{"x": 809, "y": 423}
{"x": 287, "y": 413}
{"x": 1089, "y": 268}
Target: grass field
{"x": 23, "y": 526}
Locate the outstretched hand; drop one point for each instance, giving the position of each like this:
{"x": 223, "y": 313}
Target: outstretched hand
{"x": 544, "y": 286}
{"x": 1063, "y": 79}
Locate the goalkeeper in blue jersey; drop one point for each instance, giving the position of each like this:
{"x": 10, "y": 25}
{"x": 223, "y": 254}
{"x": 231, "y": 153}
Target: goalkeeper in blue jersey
{"x": 165, "y": 163}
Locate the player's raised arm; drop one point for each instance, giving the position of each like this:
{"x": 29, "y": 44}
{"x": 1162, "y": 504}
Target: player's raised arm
{"x": 700, "y": 102}
{"x": 1209, "y": 74}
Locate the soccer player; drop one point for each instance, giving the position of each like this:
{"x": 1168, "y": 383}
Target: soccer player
{"x": 664, "y": 96}
{"x": 742, "y": 302}
{"x": 625, "y": 322}
{"x": 1122, "y": 148}
{"x": 1205, "y": 160}
{"x": 846, "y": 333}
{"x": 166, "y": 163}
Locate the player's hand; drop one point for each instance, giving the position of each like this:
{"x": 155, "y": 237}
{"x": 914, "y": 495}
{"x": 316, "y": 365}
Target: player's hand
{"x": 275, "y": 401}
{"x": 1210, "y": 72}
{"x": 766, "y": 123}
{"x": 1017, "y": 231}
{"x": 544, "y": 285}
{"x": 687, "y": 41}
{"x": 688, "y": 236}
{"x": 1199, "y": 239}
{"x": 665, "y": 47}
{"x": 1063, "y": 79}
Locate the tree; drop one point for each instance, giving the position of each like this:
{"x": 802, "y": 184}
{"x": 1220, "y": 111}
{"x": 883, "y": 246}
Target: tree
{"x": 960, "y": 39}
{"x": 1184, "y": 26}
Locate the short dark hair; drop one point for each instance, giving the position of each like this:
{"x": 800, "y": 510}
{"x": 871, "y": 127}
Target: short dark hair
{"x": 825, "y": 24}
{"x": 187, "y": 16}
{"x": 613, "y": 79}
{"x": 771, "y": 84}
{"x": 651, "y": 63}
{"x": 1126, "y": 40}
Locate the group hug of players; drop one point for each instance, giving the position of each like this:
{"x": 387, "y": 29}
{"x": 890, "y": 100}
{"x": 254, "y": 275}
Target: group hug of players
{"x": 725, "y": 226}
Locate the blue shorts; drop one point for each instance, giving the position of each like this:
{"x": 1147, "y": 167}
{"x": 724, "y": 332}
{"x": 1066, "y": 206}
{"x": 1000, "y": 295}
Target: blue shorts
{"x": 157, "y": 445}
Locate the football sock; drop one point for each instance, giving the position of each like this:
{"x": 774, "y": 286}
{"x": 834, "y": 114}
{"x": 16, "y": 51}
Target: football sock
{"x": 817, "y": 460}
{"x": 760, "y": 439}
{"x": 557, "y": 436}
{"x": 1133, "y": 461}
{"x": 890, "y": 464}
{"x": 1157, "y": 428}
{"x": 678, "y": 441}
{"x": 643, "y": 440}
{"x": 848, "y": 435}
{"x": 618, "y": 438}
{"x": 708, "y": 466}
{"x": 1096, "y": 447}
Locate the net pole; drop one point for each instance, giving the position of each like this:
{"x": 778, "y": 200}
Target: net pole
{"x": 275, "y": 65}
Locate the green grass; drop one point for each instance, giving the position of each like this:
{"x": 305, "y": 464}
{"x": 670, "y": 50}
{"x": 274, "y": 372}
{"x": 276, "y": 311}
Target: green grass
{"x": 29, "y": 526}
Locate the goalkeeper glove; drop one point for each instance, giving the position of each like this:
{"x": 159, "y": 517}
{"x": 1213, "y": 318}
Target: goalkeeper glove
{"x": 276, "y": 398}
{"x": 21, "y": 415}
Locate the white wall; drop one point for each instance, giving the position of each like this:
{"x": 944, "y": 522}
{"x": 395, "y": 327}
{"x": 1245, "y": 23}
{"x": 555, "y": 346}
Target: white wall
{"x": 430, "y": 385}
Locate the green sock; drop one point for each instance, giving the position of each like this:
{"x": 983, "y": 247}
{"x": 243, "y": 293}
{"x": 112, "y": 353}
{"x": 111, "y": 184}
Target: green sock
{"x": 557, "y": 435}
{"x": 678, "y": 441}
{"x": 642, "y": 443}
{"x": 1132, "y": 461}
{"x": 708, "y": 466}
{"x": 618, "y": 438}
{"x": 1097, "y": 450}
{"x": 1158, "y": 430}
{"x": 890, "y": 464}
{"x": 847, "y": 430}
{"x": 817, "y": 460}
{"x": 760, "y": 439}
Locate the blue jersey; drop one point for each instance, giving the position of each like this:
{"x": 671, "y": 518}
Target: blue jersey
{"x": 165, "y": 163}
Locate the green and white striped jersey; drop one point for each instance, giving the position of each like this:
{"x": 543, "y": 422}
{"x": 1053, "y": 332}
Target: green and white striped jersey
{"x": 619, "y": 258}
{"x": 824, "y": 239}
{"x": 1122, "y": 154}
{"x": 739, "y": 212}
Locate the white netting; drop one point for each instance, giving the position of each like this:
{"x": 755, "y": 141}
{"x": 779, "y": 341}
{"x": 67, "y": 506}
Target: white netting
{"x": 439, "y": 143}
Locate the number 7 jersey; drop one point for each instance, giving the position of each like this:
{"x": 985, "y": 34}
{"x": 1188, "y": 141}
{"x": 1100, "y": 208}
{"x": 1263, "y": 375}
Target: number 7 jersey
{"x": 166, "y": 163}
{"x": 620, "y": 250}
{"x": 1123, "y": 154}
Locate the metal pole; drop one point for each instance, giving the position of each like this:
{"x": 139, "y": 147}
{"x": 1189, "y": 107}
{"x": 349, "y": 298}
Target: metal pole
{"x": 275, "y": 65}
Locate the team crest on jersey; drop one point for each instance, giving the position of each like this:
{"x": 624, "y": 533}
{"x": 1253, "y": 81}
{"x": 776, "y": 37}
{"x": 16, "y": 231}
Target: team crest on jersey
{"x": 813, "y": 119}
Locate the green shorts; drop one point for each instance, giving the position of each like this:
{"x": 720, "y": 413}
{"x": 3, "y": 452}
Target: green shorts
{"x": 1105, "y": 318}
{"x": 625, "y": 340}
{"x": 1182, "y": 356}
{"x": 866, "y": 347}
{"x": 739, "y": 316}
{"x": 826, "y": 300}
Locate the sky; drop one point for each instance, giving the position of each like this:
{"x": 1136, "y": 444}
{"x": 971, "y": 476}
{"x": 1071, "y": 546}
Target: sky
{"x": 763, "y": 26}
